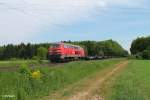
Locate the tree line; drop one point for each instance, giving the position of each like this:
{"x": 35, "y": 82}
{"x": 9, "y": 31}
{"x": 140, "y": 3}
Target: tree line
{"x": 103, "y": 48}
{"x": 22, "y": 51}
{"x": 140, "y": 47}
{"x": 34, "y": 51}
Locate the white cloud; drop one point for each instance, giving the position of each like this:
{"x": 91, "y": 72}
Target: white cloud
{"x": 127, "y": 3}
{"x": 22, "y": 19}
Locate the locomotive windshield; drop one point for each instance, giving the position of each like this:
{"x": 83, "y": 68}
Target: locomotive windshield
{"x": 55, "y": 45}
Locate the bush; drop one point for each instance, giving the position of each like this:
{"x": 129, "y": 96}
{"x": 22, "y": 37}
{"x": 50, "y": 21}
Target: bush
{"x": 131, "y": 57}
{"x": 143, "y": 55}
{"x": 139, "y": 55}
{"x": 13, "y": 59}
{"x": 24, "y": 69}
{"x": 35, "y": 58}
{"x": 146, "y": 54}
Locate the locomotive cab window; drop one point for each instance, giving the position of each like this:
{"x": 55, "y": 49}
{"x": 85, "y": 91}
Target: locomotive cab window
{"x": 65, "y": 46}
{"x": 55, "y": 45}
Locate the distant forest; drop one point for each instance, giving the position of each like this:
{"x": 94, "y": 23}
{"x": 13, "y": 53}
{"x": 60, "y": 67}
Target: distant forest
{"x": 92, "y": 48}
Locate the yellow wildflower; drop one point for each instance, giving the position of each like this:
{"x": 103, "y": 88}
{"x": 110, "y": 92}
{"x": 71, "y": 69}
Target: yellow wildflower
{"x": 36, "y": 74}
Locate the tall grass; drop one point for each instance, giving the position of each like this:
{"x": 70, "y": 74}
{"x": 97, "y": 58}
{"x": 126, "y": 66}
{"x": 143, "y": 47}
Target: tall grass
{"x": 24, "y": 87}
{"x": 14, "y": 63}
{"x": 133, "y": 83}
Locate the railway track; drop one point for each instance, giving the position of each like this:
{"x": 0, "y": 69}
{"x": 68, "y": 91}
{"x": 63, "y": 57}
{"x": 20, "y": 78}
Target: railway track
{"x": 14, "y": 68}
{"x": 32, "y": 66}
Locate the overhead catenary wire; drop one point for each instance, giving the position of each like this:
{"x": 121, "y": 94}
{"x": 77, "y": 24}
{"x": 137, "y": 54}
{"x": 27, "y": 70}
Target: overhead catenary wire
{"x": 34, "y": 10}
{"x": 27, "y": 13}
{"x": 34, "y": 6}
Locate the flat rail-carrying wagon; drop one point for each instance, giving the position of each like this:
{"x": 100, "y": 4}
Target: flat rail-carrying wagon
{"x": 62, "y": 52}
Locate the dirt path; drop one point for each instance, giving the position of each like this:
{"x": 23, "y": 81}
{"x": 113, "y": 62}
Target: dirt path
{"x": 89, "y": 87}
{"x": 89, "y": 93}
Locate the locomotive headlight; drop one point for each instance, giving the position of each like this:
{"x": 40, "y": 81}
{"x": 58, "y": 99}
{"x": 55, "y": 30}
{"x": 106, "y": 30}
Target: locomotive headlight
{"x": 58, "y": 51}
{"x": 62, "y": 57}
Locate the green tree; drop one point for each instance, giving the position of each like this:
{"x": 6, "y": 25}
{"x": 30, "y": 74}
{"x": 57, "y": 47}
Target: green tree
{"x": 140, "y": 44}
{"x": 42, "y": 53}
{"x": 102, "y": 48}
{"x": 1, "y": 53}
{"x": 9, "y": 52}
{"x": 141, "y": 47}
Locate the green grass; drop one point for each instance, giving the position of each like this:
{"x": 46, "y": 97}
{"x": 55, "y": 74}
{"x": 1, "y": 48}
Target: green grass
{"x": 133, "y": 83}
{"x": 19, "y": 62}
{"x": 53, "y": 79}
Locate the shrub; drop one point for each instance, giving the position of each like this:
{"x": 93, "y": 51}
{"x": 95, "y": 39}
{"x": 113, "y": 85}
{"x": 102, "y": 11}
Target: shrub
{"x": 139, "y": 55}
{"x": 131, "y": 57}
{"x": 35, "y": 58}
{"x": 24, "y": 69}
{"x": 13, "y": 59}
{"x": 40, "y": 61}
{"x": 143, "y": 55}
{"x": 146, "y": 54}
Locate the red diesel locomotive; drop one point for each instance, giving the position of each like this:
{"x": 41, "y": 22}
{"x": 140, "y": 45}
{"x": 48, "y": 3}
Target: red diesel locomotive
{"x": 61, "y": 52}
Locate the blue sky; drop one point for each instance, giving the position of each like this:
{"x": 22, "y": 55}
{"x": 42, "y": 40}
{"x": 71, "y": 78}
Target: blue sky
{"x": 55, "y": 20}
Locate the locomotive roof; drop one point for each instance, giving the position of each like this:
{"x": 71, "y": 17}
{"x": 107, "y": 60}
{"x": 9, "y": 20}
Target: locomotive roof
{"x": 67, "y": 44}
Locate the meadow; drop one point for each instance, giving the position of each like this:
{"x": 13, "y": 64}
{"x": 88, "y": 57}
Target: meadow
{"x": 28, "y": 84}
{"x": 14, "y": 63}
{"x": 133, "y": 83}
